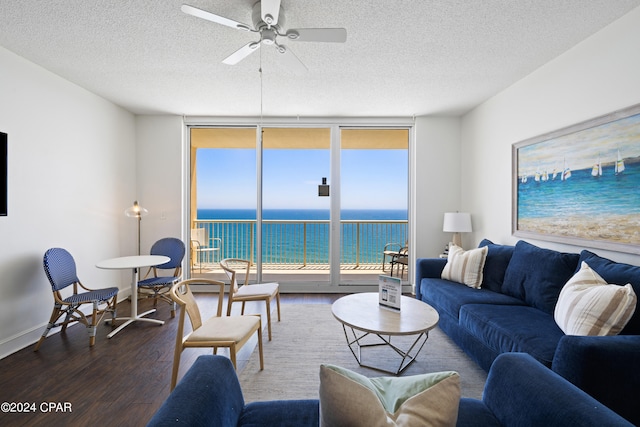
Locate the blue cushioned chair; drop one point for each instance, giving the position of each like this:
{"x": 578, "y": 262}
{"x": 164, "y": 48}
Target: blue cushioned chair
{"x": 60, "y": 269}
{"x": 158, "y": 286}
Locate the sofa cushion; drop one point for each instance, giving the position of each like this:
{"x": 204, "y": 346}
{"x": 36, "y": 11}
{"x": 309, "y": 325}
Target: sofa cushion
{"x": 618, "y": 273}
{"x": 349, "y": 399}
{"x": 509, "y": 328}
{"x": 589, "y": 306}
{"x": 495, "y": 265}
{"x": 465, "y": 266}
{"x": 536, "y": 275}
{"x": 281, "y": 413}
{"x": 447, "y": 296}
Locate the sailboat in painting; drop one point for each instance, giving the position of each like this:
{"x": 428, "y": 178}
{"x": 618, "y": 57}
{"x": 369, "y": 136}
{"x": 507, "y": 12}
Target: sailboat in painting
{"x": 619, "y": 164}
{"x": 566, "y": 171}
{"x": 596, "y": 171}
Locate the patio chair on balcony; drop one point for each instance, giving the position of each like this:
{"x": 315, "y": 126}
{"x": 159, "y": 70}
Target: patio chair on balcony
{"x": 238, "y": 271}
{"x": 400, "y": 261}
{"x": 390, "y": 251}
{"x": 200, "y": 247}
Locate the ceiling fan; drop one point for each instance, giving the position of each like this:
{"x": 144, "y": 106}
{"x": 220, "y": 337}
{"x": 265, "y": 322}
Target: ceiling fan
{"x": 268, "y": 21}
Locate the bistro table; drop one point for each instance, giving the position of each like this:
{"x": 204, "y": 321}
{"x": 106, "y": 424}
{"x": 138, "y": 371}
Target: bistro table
{"x": 134, "y": 263}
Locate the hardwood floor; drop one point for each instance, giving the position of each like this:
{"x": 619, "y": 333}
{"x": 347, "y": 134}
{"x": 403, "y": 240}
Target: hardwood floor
{"x": 120, "y": 381}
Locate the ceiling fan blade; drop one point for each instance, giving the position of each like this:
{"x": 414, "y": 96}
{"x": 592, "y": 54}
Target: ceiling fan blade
{"x": 270, "y": 11}
{"x": 241, "y": 53}
{"x": 199, "y": 13}
{"x": 331, "y": 35}
{"x": 290, "y": 60}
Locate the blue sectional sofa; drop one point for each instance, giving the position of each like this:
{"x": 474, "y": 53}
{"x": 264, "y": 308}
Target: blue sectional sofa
{"x": 513, "y": 311}
{"x": 519, "y": 391}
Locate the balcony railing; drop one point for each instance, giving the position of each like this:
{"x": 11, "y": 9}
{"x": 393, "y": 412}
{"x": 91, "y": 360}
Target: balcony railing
{"x": 298, "y": 243}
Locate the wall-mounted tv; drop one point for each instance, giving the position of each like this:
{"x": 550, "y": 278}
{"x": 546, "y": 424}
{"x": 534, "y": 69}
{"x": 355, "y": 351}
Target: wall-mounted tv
{"x": 3, "y": 174}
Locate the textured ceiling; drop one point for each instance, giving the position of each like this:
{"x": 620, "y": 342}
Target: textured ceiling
{"x": 401, "y": 58}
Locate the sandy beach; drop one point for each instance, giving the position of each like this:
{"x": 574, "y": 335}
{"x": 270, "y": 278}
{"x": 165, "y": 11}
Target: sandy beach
{"x": 609, "y": 228}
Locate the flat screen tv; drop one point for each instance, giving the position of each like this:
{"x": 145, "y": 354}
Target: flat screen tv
{"x": 3, "y": 174}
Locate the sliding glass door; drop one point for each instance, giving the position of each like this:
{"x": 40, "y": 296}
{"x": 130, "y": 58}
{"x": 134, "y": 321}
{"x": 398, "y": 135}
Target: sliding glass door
{"x": 295, "y": 217}
{"x": 311, "y": 207}
{"x": 223, "y": 208}
{"x": 374, "y": 173}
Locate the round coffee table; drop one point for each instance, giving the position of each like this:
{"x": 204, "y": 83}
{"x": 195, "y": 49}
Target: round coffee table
{"x": 362, "y": 315}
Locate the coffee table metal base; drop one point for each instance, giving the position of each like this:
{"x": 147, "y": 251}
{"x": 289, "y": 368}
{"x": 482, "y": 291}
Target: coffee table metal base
{"x": 407, "y": 357}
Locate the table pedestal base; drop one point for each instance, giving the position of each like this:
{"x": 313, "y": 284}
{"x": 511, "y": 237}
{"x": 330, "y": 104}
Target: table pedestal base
{"x": 407, "y": 357}
{"x": 130, "y": 320}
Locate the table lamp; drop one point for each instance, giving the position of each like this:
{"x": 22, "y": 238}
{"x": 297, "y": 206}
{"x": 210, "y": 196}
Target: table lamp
{"x": 136, "y": 211}
{"x": 456, "y": 223}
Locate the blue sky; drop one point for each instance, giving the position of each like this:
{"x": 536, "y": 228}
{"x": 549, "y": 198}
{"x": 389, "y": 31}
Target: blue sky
{"x": 371, "y": 179}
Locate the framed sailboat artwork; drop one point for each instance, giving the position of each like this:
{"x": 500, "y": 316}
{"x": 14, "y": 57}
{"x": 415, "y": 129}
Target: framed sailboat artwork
{"x": 581, "y": 184}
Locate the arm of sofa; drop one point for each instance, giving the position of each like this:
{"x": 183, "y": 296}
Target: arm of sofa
{"x": 428, "y": 267}
{"x": 604, "y": 367}
{"x": 209, "y": 394}
{"x": 521, "y": 391}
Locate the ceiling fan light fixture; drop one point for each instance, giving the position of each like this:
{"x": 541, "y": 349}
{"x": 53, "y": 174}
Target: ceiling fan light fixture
{"x": 269, "y": 21}
{"x": 268, "y": 36}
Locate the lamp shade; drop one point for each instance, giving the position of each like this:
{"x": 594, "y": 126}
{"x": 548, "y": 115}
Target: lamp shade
{"x": 457, "y": 222}
{"x": 136, "y": 211}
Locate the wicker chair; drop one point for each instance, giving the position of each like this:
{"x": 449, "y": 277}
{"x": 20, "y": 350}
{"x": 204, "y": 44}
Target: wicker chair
{"x": 60, "y": 268}
{"x": 158, "y": 286}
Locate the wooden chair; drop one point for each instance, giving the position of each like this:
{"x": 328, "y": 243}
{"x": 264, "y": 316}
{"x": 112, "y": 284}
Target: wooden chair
{"x": 230, "y": 332}
{"x": 235, "y": 268}
{"x": 60, "y": 268}
{"x": 158, "y": 286}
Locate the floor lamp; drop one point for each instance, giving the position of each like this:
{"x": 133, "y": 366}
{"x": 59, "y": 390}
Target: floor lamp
{"x": 136, "y": 211}
{"x": 456, "y": 223}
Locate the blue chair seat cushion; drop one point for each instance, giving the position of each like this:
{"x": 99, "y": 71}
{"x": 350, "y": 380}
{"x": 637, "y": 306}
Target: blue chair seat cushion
{"x": 91, "y": 296}
{"x": 510, "y": 328}
{"x": 152, "y": 282}
{"x": 448, "y": 297}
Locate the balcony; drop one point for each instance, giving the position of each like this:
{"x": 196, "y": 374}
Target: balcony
{"x": 298, "y": 247}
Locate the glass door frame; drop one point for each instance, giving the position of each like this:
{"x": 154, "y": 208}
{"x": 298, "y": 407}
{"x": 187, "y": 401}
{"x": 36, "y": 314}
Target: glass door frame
{"x": 335, "y": 124}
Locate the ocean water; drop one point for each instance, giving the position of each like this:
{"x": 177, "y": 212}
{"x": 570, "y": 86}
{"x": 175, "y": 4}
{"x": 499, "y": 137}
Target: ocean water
{"x": 582, "y": 195}
{"x": 304, "y": 214}
{"x": 295, "y": 243}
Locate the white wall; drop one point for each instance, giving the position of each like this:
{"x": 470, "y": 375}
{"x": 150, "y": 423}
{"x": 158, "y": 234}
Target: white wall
{"x": 159, "y": 177}
{"x": 596, "y": 77}
{"x": 438, "y": 181}
{"x": 71, "y": 165}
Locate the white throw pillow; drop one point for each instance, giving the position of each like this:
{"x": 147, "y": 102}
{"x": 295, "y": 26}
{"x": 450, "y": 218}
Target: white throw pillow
{"x": 348, "y": 399}
{"x": 587, "y": 305}
{"x": 465, "y": 266}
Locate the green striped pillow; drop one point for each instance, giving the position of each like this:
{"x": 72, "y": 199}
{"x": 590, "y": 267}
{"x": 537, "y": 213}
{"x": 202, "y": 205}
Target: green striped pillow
{"x": 465, "y": 266}
{"x": 588, "y": 305}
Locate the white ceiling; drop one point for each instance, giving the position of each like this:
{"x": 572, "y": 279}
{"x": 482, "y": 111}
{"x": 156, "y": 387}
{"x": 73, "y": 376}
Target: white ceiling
{"x": 401, "y": 58}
